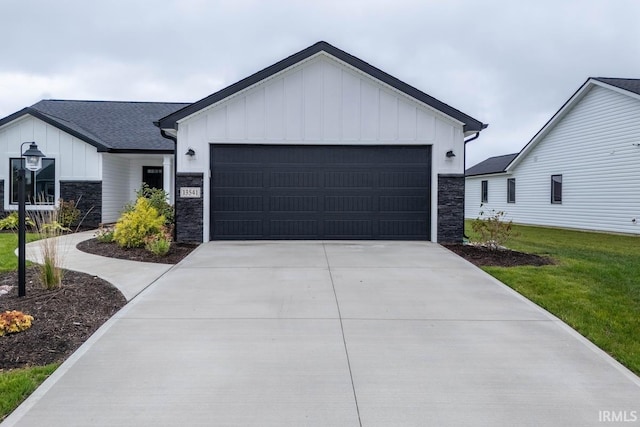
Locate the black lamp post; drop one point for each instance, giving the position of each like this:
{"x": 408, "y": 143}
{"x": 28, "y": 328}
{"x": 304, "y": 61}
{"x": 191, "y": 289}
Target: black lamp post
{"x": 32, "y": 160}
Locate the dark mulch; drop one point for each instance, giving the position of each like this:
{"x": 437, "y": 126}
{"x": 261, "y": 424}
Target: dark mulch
{"x": 63, "y": 318}
{"x": 483, "y": 256}
{"x": 177, "y": 252}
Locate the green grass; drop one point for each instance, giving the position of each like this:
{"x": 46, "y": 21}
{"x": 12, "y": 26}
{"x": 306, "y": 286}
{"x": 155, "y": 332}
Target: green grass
{"x": 594, "y": 287}
{"x": 17, "y": 384}
{"x": 8, "y": 244}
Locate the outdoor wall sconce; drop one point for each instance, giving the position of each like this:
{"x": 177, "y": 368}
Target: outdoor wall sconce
{"x": 190, "y": 153}
{"x": 450, "y": 154}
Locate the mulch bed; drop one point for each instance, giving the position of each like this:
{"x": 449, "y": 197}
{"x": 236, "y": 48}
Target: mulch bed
{"x": 177, "y": 252}
{"x": 484, "y": 257}
{"x": 63, "y": 318}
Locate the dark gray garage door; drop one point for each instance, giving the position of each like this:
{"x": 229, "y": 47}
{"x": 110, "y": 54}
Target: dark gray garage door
{"x": 320, "y": 192}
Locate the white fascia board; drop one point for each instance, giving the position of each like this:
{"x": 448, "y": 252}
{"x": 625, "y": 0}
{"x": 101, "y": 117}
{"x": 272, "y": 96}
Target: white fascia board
{"x": 615, "y": 89}
{"x": 488, "y": 175}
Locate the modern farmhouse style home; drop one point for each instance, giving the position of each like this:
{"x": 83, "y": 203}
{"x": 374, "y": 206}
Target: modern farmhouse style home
{"x": 581, "y": 170}
{"x": 320, "y": 145}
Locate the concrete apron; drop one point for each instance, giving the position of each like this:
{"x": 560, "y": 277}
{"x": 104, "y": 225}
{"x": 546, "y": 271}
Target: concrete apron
{"x": 332, "y": 334}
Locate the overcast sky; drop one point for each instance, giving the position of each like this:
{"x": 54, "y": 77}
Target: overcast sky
{"x": 511, "y": 64}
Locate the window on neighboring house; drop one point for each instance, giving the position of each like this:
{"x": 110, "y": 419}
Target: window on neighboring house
{"x": 40, "y": 186}
{"x": 511, "y": 190}
{"x": 556, "y": 188}
{"x": 484, "y": 194}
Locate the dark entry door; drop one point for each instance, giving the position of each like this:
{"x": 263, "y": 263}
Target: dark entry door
{"x": 320, "y": 192}
{"x": 153, "y": 176}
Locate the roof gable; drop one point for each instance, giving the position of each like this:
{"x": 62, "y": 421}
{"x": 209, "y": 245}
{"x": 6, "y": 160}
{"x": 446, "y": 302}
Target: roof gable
{"x": 470, "y": 124}
{"x": 110, "y": 126}
{"x": 629, "y": 87}
{"x": 492, "y": 165}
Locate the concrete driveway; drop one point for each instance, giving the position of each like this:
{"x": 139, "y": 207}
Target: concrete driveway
{"x": 332, "y": 334}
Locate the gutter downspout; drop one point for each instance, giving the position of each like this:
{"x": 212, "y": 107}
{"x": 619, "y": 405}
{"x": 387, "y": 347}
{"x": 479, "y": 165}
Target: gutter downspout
{"x": 175, "y": 180}
{"x": 476, "y": 136}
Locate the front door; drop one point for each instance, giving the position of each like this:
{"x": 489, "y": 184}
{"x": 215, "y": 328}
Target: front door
{"x": 153, "y": 176}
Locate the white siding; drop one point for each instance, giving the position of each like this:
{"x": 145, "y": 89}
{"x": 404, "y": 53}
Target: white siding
{"x": 321, "y": 101}
{"x": 75, "y": 159}
{"x": 116, "y": 172}
{"x": 122, "y": 176}
{"x": 594, "y": 148}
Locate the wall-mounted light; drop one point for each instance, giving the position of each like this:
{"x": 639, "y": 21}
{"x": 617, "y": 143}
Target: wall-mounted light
{"x": 190, "y": 153}
{"x": 450, "y": 154}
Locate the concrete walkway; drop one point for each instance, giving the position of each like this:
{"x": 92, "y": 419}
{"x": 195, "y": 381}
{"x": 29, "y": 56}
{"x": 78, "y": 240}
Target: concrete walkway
{"x": 332, "y": 334}
{"x": 130, "y": 277}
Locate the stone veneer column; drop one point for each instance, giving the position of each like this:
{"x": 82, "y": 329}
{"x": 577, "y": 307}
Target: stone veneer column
{"x": 88, "y": 196}
{"x": 450, "y": 208}
{"x": 189, "y": 210}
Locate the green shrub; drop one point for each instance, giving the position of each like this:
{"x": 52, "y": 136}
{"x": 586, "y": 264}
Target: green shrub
{"x": 68, "y": 213}
{"x": 104, "y": 234}
{"x": 158, "y": 244}
{"x": 10, "y": 222}
{"x": 493, "y": 230}
{"x": 158, "y": 199}
{"x": 134, "y": 226}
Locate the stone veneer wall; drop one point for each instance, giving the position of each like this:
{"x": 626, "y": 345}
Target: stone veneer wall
{"x": 450, "y": 208}
{"x": 88, "y": 196}
{"x": 189, "y": 211}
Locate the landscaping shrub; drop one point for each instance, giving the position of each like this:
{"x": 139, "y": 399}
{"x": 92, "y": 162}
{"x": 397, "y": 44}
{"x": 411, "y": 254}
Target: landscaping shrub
{"x": 158, "y": 199}
{"x": 68, "y": 213}
{"x": 10, "y": 222}
{"x": 158, "y": 244}
{"x": 104, "y": 234}
{"x": 48, "y": 226}
{"x": 493, "y": 230}
{"x": 14, "y": 321}
{"x": 136, "y": 225}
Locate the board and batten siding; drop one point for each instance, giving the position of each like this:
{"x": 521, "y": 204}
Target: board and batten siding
{"x": 595, "y": 149}
{"x": 320, "y": 101}
{"x": 75, "y": 159}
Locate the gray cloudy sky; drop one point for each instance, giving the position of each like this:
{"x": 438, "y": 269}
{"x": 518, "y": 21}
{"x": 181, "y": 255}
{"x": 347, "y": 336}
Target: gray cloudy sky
{"x": 511, "y": 64}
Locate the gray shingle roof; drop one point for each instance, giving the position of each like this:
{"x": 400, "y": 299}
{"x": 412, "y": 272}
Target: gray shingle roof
{"x": 632, "y": 85}
{"x": 491, "y": 165}
{"x": 112, "y": 126}
{"x": 470, "y": 124}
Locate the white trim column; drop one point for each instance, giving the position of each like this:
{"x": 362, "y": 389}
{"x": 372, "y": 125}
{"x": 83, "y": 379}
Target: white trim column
{"x": 167, "y": 178}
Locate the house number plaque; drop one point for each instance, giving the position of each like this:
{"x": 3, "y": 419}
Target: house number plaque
{"x": 189, "y": 192}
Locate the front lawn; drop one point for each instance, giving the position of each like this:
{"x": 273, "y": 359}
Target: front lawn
{"x": 594, "y": 287}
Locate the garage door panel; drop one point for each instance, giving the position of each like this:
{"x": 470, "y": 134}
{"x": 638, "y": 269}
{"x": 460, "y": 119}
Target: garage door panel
{"x": 237, "y": 203}
{"x": 293, "y": 204}
{"x": 238, "y": 178}
{"x": 403, "y": 203}
{"x": 338, "y": 204}
{"x": 316, "y": 192}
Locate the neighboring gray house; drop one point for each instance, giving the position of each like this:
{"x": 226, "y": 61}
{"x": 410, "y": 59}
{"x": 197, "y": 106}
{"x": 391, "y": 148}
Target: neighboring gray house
{"x": 581, "y": 170}
{"x": 97, "y": 152}
{"x": 320, "y": 145}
